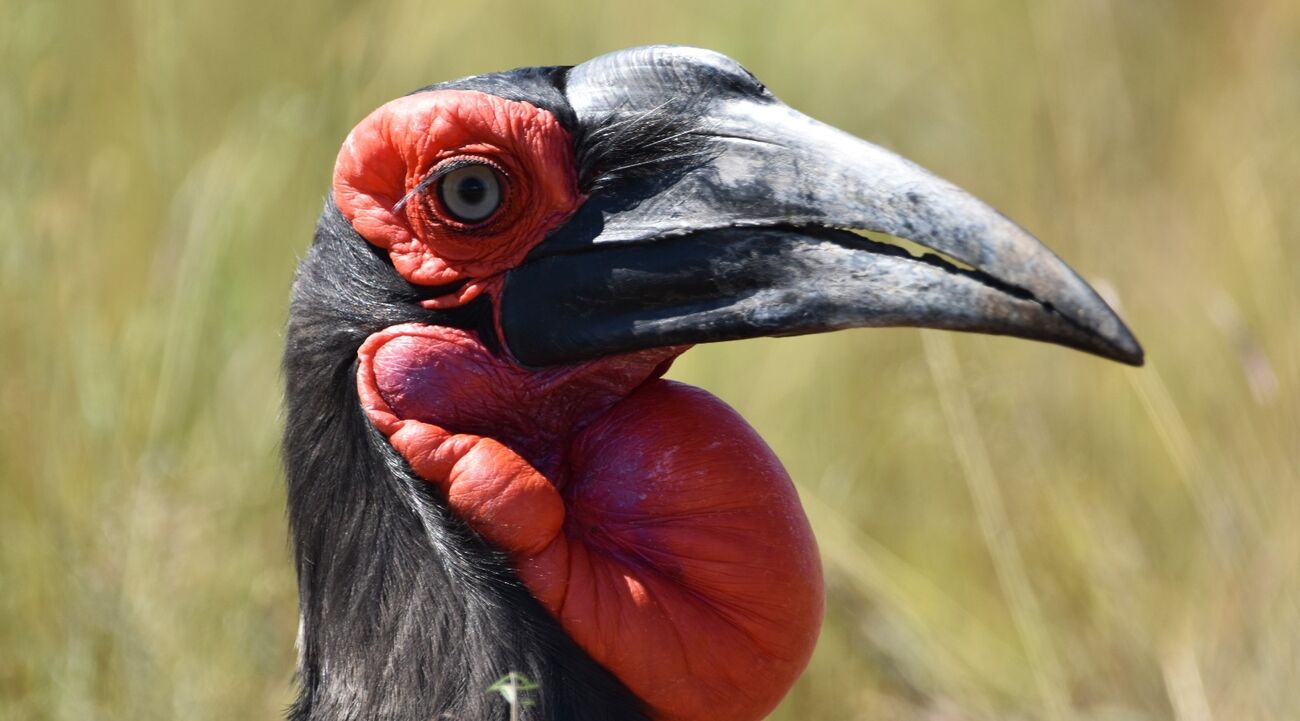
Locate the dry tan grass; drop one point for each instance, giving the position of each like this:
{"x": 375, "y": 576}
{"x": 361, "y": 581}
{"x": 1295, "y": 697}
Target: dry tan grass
{"x": 1010, "y": 530}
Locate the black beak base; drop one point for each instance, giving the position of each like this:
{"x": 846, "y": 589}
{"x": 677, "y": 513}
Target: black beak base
{"x": 746, "y": 283}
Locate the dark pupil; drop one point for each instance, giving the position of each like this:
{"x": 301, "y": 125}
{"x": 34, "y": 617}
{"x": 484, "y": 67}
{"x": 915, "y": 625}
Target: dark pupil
{"x": 471, "y": 190}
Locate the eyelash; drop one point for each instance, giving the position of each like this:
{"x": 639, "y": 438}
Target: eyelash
{"x": 433, "y": 177}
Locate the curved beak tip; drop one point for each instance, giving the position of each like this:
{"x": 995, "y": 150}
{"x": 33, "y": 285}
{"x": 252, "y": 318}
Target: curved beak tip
{"x": 1127, "y": 349}
{"x": 1121, "y": 344}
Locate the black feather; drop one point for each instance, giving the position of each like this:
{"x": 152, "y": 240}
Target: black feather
{"x": 541, "y": 87}
{"x": 653, "y": 142}
{"x": 665, "y": 140}
{"x": 406, "y": 614}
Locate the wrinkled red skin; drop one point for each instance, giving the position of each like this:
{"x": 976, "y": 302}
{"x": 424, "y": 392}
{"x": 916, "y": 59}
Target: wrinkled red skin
{"x": 645, "y": 515}
{"x": 394, "y": 148}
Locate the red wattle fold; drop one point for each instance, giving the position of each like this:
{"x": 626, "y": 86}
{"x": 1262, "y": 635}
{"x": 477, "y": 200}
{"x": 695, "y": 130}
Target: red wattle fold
{"x": 645, "y": 515}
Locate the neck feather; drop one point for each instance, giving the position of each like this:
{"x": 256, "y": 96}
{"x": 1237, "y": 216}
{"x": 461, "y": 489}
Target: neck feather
{"x": 405, "y": 613}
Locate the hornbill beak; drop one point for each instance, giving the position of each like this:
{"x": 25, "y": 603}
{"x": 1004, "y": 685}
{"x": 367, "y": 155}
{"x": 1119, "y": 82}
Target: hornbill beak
{"x": 733, "y": 218}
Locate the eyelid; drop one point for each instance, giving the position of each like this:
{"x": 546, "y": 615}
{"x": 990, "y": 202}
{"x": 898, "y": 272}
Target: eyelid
{"x": 441, "y": 170}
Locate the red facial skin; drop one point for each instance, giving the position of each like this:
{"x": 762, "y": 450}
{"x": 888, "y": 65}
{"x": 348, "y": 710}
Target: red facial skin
{"x": 645, "y": 515}
{"x": 387, "y": 155}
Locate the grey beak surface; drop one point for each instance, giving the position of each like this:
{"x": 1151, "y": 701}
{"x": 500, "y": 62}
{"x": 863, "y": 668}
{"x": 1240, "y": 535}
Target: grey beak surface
{"x": 737, "y": 228}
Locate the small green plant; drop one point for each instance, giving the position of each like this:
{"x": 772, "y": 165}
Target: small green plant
{"x": 513, "y": 687}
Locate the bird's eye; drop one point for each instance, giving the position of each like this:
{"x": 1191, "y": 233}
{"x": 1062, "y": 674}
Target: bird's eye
{"x": 470, "y": 193}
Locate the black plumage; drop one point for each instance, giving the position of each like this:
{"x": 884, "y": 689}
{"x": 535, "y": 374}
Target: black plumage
{"x": 405, "y": 613}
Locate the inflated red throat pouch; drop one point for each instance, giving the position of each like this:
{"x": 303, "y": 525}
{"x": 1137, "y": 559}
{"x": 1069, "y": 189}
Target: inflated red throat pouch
{"x": 644, "y": 514}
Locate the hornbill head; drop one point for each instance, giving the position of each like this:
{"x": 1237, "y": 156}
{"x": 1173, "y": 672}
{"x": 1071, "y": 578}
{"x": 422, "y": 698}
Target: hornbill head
{"x": 506, "y": 266}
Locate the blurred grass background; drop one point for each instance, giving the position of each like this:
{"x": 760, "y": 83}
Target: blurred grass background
{"x": 1011, "y": 531}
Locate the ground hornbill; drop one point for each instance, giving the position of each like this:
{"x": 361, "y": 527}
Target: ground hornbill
{"x": 486, "y": 472}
